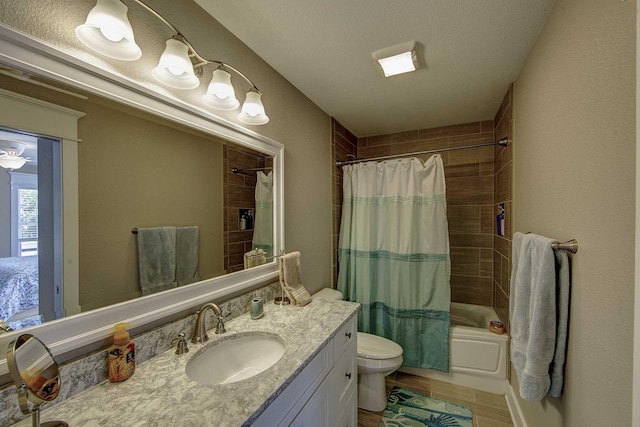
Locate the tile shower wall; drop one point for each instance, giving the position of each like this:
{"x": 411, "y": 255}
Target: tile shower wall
{"x": 343, "y": 143}
{"x": 239, "y": 193}
{"x": 503, "y": 196}
{"x": 470, "y": 199}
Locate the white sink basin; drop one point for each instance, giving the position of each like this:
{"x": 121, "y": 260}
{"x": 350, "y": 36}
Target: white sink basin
{"x": 235, "y": 358}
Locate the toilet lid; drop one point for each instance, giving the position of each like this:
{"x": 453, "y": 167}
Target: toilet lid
{"x": 375, "y": 347}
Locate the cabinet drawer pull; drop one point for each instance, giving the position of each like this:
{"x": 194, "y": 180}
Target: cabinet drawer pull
{"x": 348, "y": 335}
{"x": 348, "y": 375}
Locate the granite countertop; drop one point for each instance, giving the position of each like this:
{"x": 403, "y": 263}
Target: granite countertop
{"x": 161, "y": 394}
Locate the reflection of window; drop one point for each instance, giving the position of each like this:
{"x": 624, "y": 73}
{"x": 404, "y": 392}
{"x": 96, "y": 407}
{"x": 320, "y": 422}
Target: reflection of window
{"x": 24, "y": 214}
{"x": 28, "y": 221}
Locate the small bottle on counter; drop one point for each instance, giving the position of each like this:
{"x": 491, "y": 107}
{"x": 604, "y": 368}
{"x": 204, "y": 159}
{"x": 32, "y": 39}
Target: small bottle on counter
{"x": 121, "y": 356}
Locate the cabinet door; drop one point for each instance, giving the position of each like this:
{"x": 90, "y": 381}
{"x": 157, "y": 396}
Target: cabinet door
{"x": 316, "y": 411}
{"x": 349, "y": 417}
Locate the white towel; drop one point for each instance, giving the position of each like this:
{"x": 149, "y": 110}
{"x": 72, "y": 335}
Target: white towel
{"x": 254, "y": 258}
{"x": 532, "y": 313}
{"x": 291, "y": 279}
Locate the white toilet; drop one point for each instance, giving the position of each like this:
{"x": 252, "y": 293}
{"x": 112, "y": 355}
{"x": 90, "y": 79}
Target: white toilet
{"x": 377, "y": 358}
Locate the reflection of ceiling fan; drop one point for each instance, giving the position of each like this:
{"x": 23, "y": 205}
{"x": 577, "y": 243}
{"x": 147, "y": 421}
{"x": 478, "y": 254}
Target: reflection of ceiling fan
{"x": 10, "y": 152}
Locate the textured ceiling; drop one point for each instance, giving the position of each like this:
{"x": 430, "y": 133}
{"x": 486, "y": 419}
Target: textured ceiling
{"x": 471, "y": 51}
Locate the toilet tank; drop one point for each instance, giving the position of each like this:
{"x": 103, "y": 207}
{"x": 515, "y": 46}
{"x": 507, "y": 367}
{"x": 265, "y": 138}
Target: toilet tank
{"x": 328, "y": 294}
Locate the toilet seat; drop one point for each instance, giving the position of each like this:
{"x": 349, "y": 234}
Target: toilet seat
{"x": 377, "y": 348}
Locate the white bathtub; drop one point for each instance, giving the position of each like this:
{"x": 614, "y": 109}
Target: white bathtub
{"x": 477, "y": 357}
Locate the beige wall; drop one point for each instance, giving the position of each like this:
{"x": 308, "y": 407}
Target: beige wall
{"x": 295, "y": 121}
{"x": 574, "y": 174}
{"x": 137, "y": 173}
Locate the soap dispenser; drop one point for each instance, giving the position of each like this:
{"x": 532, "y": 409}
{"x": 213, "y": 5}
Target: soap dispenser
{"x": 121, "y": 356}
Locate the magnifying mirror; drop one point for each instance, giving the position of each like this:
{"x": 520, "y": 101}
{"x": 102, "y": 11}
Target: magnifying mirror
{"x": 36, "y": 375}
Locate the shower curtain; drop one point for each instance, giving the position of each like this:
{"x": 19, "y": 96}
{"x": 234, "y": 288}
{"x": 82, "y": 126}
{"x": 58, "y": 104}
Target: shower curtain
{"x": 263, "y": 221}
{"x": 394, "y": 255}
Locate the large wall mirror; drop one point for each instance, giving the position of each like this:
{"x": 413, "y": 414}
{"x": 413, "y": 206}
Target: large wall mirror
{"x": 144, "y": 167}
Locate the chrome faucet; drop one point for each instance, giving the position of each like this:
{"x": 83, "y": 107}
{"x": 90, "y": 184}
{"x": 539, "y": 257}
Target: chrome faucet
{"x": 200, "y": 333}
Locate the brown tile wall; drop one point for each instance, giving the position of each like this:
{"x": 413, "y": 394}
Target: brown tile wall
{"x": 343, "y": 143}
{"x": 478, "y": 181}
{"x": 470, "y": 196}
{"x": 503, "y": 194}
{"x": 239, "y": 193}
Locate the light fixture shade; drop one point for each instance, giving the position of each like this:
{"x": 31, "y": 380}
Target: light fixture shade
{"x": 107, "y": 31}
{"x": 220, "y": 93}
{"x": 252, "y": 112}
{"x": 11, "y": 161}
{"x": 397, "y": 59}
{"x": 175, "y": 68}
{"x": 397, "y": 64}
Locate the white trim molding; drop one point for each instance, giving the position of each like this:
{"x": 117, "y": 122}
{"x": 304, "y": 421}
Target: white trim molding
{"x": 514, "y": 407}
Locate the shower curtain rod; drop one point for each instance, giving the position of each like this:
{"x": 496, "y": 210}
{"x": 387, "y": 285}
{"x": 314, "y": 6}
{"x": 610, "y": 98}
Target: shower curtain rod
{"x": 501, "y": 142}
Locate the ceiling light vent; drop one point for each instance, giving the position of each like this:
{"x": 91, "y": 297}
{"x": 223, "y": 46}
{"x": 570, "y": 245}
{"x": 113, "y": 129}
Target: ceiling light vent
{"x": 397, "y": 59}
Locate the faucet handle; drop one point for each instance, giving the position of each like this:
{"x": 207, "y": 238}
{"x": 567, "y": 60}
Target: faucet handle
{"x": 220, "y": 329}
{"x": 4, "y": 327}
{"x": 182, "y": 346}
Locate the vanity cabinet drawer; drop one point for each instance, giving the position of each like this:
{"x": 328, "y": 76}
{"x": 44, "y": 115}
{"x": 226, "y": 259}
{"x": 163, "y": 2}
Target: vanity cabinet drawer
{"x": 345, "y": 336}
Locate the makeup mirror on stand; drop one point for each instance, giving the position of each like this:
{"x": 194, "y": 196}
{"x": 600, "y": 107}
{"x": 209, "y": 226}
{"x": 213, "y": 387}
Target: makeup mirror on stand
{"x": 36, "y": 375}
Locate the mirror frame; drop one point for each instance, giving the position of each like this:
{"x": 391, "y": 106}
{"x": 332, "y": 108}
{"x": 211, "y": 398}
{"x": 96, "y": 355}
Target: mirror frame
{"x": 70, "y": 333}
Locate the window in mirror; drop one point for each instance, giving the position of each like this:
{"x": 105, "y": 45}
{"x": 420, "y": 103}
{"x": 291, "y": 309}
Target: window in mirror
{"x": 30, "y": 265}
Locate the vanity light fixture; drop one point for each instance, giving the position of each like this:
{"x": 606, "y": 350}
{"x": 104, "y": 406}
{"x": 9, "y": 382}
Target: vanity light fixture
{"x": 252, "y": 112}
{"x": 175, "y": 68}
{"x": 397, "y": 59}
{"x": 107, "y": 31}
{"x": 220, "y": 93}
{"x": 10, "y": 152}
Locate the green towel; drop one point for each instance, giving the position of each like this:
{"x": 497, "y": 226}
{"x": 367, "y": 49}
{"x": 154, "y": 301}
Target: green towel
{"x": 187, "y": 255}
{"x": 157, "y": 259}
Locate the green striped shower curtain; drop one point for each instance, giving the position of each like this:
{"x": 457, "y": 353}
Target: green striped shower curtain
{"x": 263, "y": 221}
{"x": 394, "y": 255}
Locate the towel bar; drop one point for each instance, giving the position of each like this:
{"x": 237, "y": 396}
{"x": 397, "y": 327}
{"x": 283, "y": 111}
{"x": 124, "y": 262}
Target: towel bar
{"x": 267, "y": 257}
{"x": 570, "y": 245}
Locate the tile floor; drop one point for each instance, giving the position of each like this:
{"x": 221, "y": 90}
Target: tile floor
{"x": 489, "y": 410}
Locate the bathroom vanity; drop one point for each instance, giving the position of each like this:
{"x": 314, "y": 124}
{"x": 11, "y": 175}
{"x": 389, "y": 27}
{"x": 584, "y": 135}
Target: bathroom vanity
{"x": 313, "y": 383}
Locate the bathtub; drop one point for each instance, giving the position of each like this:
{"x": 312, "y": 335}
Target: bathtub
{"x": 477, "y": 357}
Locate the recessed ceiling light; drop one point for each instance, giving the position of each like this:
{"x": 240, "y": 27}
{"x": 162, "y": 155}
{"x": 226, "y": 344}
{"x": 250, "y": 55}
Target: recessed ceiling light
{"x": 397, "y": 59}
